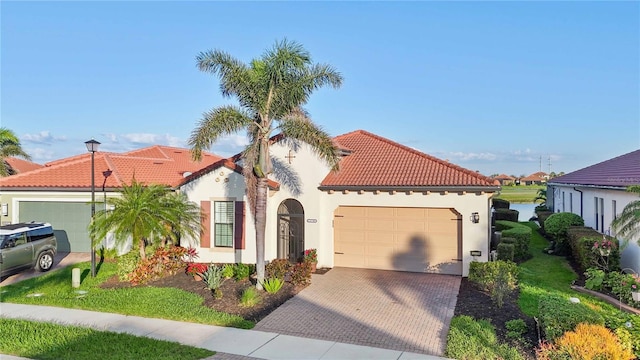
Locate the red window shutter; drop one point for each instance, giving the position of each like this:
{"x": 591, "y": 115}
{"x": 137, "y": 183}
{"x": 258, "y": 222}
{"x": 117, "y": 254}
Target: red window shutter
{"x": 239, "y": 225}
{"x": 205, "y": 236}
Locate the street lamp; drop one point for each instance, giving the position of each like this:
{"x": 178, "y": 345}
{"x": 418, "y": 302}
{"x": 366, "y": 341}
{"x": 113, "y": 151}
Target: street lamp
{"x": 92, "y": 147}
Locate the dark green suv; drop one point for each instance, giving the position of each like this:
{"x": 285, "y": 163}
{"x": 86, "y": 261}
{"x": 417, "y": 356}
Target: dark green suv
{"x": 26, "y": 246}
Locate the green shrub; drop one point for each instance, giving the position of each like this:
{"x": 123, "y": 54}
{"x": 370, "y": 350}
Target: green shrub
{"x": 278, "y": 268}
{"x": 541, "y": 208}
{"x": 164, "y": 261}
{"x": 498, "y": 278}
{"x": 620, "y": 285}
{"x": 521, "y": 235}
{"x": 272, "y": 285}
{"x": 557, "y": 225}
{"x": 501, "y": 203}
{"x": 506, "y": 214}
{"x": 627, "y": 327}
{"x": 515, "y": 329}
{"x": 126, "y": 264}
{"x": 250, "y": 297}
{"x": 558, "y": 315}
{"x": 542, "y": 217}
{"x": 471, "y": 339}
{"x": 214, "y": 279}
{"x": 595, "y": 279}
{"x": 581, "y": 240}
{"x": 506, "y": 250}
{"x": 228, "y": 271}
{"x": 107, "y": 254}
{"x": 301, "y": 274}
{"x": 242, "y": 271}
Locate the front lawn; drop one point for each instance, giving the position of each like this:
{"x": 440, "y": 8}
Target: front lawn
{"x": 37, "y": 340}
{"x": 54, "y": 289}
{"x": 520, "y": 193}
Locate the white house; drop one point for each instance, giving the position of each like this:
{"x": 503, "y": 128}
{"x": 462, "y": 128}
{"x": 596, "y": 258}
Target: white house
{"x": 388, "y": 207}
{"x": 598, "y": 194}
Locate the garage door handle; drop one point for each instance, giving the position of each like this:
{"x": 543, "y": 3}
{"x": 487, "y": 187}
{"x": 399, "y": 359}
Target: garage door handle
{"x": 456, "y": 259}
{"x": 339, "y": 253}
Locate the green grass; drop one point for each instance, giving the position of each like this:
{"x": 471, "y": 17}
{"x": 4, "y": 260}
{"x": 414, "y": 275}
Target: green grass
{"x": 37, "y": 340}
{"x": 476, "y": 339}
{"x": 164, "y": 303}
{"x": 520, "y": 193}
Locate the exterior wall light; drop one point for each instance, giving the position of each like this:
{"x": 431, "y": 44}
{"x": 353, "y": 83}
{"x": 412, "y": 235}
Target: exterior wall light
{"x": 475, "y": 217}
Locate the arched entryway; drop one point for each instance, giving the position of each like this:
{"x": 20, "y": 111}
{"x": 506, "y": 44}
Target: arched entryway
{"x": 290, "y": 230}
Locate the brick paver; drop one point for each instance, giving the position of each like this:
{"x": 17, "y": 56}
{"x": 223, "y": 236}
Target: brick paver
{"x": 386, "y": 309}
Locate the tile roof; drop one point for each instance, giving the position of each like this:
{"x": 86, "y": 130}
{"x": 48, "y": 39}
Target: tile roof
{"x": 152, "y": 165}
{"x": 620, "y": 171}
{"x": 18, "y": 165}
{"x": 504, "y": 177}
{"x": 537, "y": 176}
{"x": 378, "y": 162}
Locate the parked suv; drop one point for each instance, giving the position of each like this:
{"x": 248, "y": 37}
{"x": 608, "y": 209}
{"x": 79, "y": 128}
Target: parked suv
{"x": 25, "y": 246}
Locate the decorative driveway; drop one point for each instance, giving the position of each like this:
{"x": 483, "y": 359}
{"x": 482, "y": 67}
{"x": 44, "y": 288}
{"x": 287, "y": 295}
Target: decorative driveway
{"x": 386, "y": 309}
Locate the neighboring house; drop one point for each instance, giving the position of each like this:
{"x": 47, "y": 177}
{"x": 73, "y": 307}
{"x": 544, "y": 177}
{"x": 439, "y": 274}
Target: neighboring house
{"x": 388, "y": 207}
{"x": 60, "y": 192}
{"x": 505, "y": 179}
{"x": 538, "y": 178}
{"x": 598, "y": 194}
{"x": 19, "y": 166}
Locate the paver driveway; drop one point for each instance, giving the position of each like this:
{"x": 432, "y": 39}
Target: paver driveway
{"x": 387, "y": 309}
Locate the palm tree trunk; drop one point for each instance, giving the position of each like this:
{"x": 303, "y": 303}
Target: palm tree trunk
{"x": 141, "y": 244}
{"x": 261, "y": 222}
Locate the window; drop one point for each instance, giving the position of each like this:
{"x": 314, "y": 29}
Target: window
{"x": 223, "y": 223}
{"x": 614, "y": 209}
{"x": 570, "y": 202}
{"x": 563, "y": 207}
{"x": 599, "y": 212}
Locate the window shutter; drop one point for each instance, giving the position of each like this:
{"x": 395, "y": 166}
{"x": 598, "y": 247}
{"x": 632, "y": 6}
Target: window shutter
{"x": 205, "y": 236}
{"x": 239, "y": 225}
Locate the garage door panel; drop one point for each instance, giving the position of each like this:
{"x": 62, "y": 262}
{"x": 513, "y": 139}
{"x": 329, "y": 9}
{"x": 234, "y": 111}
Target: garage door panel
{"x": 68, "y": 219}
{"x": 406, "y": 239}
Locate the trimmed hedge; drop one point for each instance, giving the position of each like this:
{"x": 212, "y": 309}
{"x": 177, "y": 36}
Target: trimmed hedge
{"x": 543, "y": 216}
{"x": 521, "y": 235}
{"x": 506, "y": 214}
{"x": 501, "y": 204}
{"x": 498, "y": 278}
{"x": 558, "y": 315}
{"x": 506, "y": 251}
{"x": 581, "y": 240}
{"x": 557, "y": 225}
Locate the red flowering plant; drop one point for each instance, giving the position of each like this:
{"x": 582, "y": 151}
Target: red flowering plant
{"x": 603, "y": 246}
{"x": 311, "y": 255}
{"x": 196, "y": 268}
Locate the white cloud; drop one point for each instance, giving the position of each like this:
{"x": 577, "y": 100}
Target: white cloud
{"x": 43, "y": 137}
{"x": 462, "y": 156}
{"x": 40, "y": 155}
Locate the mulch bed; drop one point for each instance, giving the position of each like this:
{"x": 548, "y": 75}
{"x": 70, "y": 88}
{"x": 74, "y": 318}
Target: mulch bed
{"x": 231, "y": 294}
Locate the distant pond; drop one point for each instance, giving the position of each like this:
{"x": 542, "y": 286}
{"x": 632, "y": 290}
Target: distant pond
{"x": 525, "y": 210}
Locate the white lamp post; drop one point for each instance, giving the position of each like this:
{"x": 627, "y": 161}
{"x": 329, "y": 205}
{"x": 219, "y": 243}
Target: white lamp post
{"x": 92, "y": 147}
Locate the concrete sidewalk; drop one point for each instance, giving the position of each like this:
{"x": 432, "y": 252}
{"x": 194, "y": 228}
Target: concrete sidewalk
{"x": 249, "y": 343}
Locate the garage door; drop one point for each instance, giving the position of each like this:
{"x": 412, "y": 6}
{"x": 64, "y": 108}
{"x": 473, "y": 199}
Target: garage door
{"x": 405, "y": 239}
{"x": 69, "y": 221}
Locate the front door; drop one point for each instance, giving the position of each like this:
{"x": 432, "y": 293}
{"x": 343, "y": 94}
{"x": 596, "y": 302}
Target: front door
{"x": 291, "y": 231}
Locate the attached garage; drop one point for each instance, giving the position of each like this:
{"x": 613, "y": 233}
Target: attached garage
{"x": 398, "y": 238}
{"x": 69, "y": 221}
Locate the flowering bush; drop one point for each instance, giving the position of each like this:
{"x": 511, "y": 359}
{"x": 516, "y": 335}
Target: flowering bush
{"x": 604, "y": 244}
{"x": 311, "y": 255}
{"x": 196, "y": 268}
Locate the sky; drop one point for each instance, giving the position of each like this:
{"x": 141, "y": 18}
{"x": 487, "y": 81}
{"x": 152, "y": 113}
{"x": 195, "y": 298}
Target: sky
{"x": 495, "y": 87}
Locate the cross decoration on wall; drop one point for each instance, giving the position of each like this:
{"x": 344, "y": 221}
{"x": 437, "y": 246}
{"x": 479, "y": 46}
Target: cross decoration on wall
{"x": 290, "y": 157}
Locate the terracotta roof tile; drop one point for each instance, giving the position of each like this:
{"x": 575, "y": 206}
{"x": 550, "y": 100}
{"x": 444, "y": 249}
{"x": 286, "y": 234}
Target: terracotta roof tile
{"x": 20, "y": 166}
{"x": 537, "y": 176}
{"x": 153, "y": 165}
{"x": 376, "y": 161}
{"x": 620, "y": 171}
{"x": 504, "y": 177}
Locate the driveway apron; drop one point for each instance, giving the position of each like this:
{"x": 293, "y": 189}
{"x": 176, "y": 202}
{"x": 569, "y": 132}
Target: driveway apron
{"x": 386, "y": 309}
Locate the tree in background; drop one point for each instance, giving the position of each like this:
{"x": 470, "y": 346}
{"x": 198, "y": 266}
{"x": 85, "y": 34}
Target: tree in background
{"x": 271, "y": 91}
{"x": 9, "y": 146}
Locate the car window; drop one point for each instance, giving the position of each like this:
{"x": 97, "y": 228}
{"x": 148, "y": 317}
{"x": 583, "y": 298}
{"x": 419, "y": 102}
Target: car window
{"x": 20, "y": 239}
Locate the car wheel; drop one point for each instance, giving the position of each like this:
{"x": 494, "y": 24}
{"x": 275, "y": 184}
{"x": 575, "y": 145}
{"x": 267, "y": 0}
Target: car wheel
{"x": 45, "y": 261}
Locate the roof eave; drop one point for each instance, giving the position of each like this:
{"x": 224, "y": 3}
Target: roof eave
{"x": 610, "y": 187}
{"x": 467, "y": 188}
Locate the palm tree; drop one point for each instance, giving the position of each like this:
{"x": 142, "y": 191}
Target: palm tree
{"x": 146, "y": 214}
{"x": 9, "y": 146}
{"x": 627, "y": 224}
{"x": 271, "y": 91}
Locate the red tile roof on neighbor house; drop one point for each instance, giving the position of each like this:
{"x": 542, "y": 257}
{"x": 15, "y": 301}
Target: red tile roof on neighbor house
{"x": 152, "y": 165}
{"x": 378, "y": 162}
{"x": 19, "y": 166}
{"x": 504, "y": 177}
{"x": 537, "y": 176}
{"x": 620, "y": 171}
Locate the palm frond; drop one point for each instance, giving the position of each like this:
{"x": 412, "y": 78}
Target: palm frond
{"x": 218, "y": 122}
{"x": 627, "y": 224}
{"x": 299, "y": 127}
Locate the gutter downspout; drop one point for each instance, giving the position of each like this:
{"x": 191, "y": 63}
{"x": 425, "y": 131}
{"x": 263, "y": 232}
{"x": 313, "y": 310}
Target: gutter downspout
{"x": 580, "y": 191}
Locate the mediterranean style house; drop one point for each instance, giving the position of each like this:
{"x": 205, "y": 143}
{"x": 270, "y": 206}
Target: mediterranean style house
{"x": 388, "y": 207}
{"x": 598, "y": 194}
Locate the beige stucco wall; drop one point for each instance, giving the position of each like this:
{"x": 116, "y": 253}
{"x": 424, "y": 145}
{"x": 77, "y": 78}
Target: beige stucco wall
{"x": 300, "y": 180}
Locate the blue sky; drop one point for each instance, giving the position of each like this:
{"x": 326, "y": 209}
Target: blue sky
{"x": 490, "y": 86}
